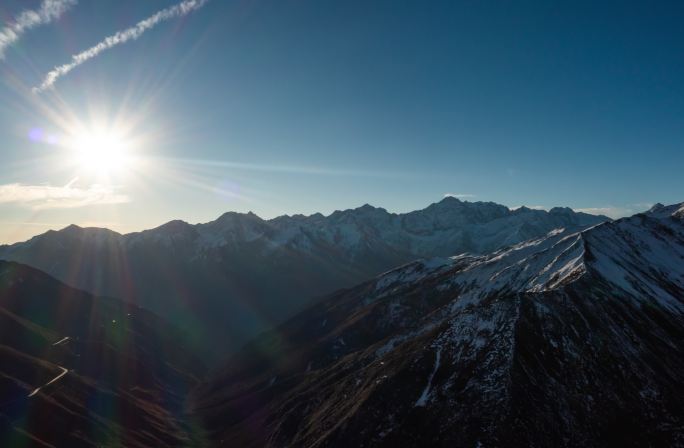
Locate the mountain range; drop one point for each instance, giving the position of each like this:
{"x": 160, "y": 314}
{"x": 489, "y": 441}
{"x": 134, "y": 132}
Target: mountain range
{"x": 239, "y": 275}
{"x": 571, "y": 338}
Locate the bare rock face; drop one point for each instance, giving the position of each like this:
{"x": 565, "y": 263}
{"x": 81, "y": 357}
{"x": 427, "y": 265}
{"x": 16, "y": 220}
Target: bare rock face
{"x": 570, "y": 339}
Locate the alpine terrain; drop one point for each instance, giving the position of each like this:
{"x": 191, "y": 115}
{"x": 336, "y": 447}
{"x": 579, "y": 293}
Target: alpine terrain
{"x": 568, "y": 339}
{"x": 234, "y": 277}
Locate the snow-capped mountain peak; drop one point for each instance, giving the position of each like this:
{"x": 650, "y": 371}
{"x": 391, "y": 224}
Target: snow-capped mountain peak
{"x": 640, "y": 256}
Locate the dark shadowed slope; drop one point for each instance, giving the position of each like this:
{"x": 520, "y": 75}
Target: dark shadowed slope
{"x": 76, "y": 371}
{"x": 239, "y": 275}
{"x": 572, "y": 339}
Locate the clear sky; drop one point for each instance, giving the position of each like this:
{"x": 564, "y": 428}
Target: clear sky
{"x": 284, "y": 106}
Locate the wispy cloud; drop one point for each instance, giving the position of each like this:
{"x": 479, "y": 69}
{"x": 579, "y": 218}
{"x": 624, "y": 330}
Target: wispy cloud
{"x": 459, "y": 195}
{"x": 42, "y": 197}
{"x": 49, "y": 11}
{"x": 616, "y": 212}
{"x": 179, "y": 10}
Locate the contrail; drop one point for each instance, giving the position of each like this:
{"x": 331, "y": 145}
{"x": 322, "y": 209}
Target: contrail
{"x": 132, "y": 33}
{"x": 50, "y": 10}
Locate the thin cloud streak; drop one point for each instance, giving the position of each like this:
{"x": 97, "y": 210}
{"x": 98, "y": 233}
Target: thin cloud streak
{"x": 288, "y": 169}
{"x": 49, "y": 11}
{"x": 179, "y": 10}
{"x": 44, "y": 197}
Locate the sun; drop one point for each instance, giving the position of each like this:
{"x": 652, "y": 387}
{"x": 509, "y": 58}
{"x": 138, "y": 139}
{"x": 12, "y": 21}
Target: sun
{"x": 101, "y": 153}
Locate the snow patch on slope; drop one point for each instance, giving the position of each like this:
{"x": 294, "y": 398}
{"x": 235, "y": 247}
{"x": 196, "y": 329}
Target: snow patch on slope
{"x": 423, "y": 399}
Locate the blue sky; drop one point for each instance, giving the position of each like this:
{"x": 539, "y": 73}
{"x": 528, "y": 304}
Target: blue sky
{"x": 284, "y": 106}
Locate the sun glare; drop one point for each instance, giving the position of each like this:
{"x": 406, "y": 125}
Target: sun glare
{"x": 101, "y": 153}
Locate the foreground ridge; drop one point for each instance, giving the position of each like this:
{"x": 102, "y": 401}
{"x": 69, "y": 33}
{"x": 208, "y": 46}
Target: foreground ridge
{"x": 571, "y": 339}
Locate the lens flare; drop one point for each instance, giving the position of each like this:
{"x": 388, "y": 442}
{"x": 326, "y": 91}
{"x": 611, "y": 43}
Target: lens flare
{"x": 101, "y": 152}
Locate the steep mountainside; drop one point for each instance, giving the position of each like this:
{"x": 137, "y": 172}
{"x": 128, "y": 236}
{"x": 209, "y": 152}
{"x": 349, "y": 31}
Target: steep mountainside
{"x": 76, "y": 371}
{"x": 571, "y": 339}
{"x": 239, "y": 275}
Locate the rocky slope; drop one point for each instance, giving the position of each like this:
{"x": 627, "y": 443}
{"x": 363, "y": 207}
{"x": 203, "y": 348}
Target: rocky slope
{"x": 76, "y": 371}
{"x": 238, "y": 275}
{"x": 570, "y": 339}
